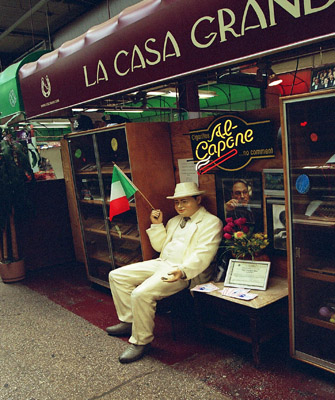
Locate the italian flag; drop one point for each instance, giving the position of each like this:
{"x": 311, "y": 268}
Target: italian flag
{"x": 121, "y": 190}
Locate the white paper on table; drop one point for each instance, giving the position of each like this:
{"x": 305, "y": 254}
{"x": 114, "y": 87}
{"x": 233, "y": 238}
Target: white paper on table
{"x": 205, "y": 287}
{"x": 238, "y": 293}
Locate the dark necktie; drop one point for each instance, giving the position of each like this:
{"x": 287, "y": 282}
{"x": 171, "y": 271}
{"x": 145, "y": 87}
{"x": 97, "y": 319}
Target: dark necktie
{"x": 183, "y": 222}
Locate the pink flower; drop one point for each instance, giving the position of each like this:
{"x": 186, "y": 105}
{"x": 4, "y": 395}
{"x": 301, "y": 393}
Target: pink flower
{"x": 228, "y": 229}
{"x": 245, "y": 229}
{"x": 240, "y": 221}
{"x": 229, "y": 220}
{"x": 227, "y": 236}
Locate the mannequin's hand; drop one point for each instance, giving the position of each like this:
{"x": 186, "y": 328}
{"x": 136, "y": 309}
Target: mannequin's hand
{"x": 156, "y": 217}
{"x": 175, "y": 275}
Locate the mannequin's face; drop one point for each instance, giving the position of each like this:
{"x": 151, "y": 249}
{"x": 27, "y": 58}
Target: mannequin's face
{"x": 187, "y": 206}
{"x": 241, "y": 193}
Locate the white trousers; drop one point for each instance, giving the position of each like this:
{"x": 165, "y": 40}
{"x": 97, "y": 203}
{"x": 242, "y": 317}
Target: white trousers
{"x": 136, "y": 288}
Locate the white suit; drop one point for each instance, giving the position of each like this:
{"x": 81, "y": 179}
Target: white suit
{"x": 137, "y": 287}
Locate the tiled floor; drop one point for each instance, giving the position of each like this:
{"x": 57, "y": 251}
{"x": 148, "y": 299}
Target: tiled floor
{"x": 220, "y": 363}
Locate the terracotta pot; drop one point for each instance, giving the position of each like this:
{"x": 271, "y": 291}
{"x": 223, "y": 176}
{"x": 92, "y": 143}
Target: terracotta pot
{"x": 12, "y": 272}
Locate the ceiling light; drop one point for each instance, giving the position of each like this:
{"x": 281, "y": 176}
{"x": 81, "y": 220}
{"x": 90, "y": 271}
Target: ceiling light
{"x": 124, "y": 110}
{"x": 206, "y": 94}
{"x": 273, "y": 79}
{"x": 91, "y": 109}
{"x": 77, "y": 109}
{"x": 203, "y": 94}
{"x": 49, "y": 123}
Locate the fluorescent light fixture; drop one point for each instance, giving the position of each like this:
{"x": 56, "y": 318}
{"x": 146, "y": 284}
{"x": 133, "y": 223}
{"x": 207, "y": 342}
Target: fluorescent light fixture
{"x": 77, "y": 109}
{"x": 124, "y": 110}
{"x": 91, "y": 110}
{"x": 203, "y": 94}
{"x": 157, "y": 93}
{"x": 206, "y": 94}
{"x": 50, "y": 124}
{"x": 53, "y": 126}
{"x": 59, "y": 123}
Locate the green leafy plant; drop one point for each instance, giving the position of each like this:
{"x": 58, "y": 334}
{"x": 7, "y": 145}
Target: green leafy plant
{"x": 15, "y": 171}
{"x": 240, "y": 239}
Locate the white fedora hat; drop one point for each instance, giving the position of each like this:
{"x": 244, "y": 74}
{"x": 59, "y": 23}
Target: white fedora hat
{"x": 186, "y": 189}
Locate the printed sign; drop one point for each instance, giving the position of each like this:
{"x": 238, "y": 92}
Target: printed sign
{"x": 230, "y": 143}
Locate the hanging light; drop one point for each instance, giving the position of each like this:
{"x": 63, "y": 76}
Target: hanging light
{"x": 273, "y": 79}
{"x": 266, "y": 75}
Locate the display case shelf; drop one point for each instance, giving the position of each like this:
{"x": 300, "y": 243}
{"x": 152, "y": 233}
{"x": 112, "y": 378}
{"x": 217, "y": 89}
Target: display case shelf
{"x": 313, "y": 320}
{"x": 319, "y": 222}
{"x": 99, "y": 202}
{"x": 321, "y": 275}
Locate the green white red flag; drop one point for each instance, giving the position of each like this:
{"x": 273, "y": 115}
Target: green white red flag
{"x": 121, "y": 190}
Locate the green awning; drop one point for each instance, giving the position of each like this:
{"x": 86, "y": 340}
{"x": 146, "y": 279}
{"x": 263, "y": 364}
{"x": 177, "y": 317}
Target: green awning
{"x": 10, "y": 93}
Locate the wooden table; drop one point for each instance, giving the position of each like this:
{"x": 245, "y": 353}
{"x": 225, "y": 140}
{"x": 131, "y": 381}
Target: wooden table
{"x": 254, "y": 321}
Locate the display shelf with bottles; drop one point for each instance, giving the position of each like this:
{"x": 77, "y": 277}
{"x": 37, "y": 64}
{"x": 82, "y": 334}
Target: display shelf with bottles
{"x": 309, "y": 158}
{"x": 140, "y": 151}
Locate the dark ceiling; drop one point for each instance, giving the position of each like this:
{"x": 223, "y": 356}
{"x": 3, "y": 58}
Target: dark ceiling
{"x": 30, "y": 24}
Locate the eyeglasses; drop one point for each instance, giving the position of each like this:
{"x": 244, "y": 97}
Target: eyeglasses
{"x": 239, "y": 193}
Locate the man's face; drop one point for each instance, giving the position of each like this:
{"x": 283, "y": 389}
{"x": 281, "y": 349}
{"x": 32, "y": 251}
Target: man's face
{"x": 187, "y": 206}
{"x": 241, "y": 193}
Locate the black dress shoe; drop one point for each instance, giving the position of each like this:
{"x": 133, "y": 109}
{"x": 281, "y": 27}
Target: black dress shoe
{"x": 133, "y": 353}
{"x": 121, "y": 329}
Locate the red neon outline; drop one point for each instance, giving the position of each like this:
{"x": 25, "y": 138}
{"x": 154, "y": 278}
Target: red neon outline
{"x": 224, "y": 158}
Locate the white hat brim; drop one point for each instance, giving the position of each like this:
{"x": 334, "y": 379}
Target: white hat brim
{"x": 189, "y": 194}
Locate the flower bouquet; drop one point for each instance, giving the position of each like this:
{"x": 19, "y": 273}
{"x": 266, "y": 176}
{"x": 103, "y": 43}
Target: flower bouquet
{"x": 240, "y": 239}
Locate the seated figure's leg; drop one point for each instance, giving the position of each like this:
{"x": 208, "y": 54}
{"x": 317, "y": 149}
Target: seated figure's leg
{"x": 124, "y": 280}
{"x": 144, "y": 300}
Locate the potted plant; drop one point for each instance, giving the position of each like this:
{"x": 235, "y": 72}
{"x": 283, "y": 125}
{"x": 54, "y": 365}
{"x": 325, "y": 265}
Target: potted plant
{"x": 15, "y": 171}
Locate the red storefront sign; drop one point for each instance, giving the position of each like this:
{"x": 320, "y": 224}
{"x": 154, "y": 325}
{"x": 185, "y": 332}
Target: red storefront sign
{"x": 157, "y": 40}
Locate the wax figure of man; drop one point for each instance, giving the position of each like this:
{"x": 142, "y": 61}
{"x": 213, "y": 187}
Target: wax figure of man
{"x": 187, "y": 245}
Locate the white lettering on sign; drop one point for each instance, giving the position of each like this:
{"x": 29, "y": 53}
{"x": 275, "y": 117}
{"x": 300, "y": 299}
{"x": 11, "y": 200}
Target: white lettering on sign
{"x": 140, "y": 59}
{"x": 220, "y": 28}
{"x": 101, "y": 74}
{"x": 225, "y": 22}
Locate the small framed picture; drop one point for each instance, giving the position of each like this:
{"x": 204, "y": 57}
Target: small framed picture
{"x": 247, "y": 274}
{"x": 273, "y": 182}
{"x": 276, "y": 224}
{"x": 323, "y": 78}
{"x": 245, "y": 189}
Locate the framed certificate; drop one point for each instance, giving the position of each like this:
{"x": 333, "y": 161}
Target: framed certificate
{"x": 248, "y": 274}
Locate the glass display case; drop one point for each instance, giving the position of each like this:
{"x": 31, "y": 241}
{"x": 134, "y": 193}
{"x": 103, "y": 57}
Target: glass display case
{"x": 108, "y": 244}
{"x": 308, "y": 126}
{"x": 88, "y": 160}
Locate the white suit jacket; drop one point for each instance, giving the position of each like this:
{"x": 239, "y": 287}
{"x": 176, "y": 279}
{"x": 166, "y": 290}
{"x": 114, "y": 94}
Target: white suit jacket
{"x": 202, "y": 241}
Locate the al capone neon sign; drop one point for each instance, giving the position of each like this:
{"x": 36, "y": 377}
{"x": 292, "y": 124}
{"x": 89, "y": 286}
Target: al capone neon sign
{"x": 230, "y": 143}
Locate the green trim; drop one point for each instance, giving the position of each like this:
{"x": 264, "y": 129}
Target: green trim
{"x": 10, "y": 93}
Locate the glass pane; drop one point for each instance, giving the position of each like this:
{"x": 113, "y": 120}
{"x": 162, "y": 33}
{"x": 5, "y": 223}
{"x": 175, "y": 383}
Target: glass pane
{"x": 311, "y": 145}
{"x": 91, "y": 205}
{"x": 126, "y": 238}
{"x": 126, "y": 245}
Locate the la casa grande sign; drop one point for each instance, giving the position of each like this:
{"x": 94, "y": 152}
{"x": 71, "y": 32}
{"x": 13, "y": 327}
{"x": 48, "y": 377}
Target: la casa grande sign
{"x": 230, "y": 143}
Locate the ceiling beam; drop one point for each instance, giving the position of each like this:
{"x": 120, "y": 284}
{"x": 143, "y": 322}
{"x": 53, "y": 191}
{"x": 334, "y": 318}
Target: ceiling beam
{"x": 25, "y": 16}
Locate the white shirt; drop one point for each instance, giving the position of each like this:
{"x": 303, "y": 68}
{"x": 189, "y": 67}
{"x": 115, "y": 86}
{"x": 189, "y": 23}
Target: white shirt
{"x": 174, "y": 251}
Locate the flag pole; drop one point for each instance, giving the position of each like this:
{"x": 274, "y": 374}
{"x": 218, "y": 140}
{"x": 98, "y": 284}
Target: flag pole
{"x": 120, "y": 170}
